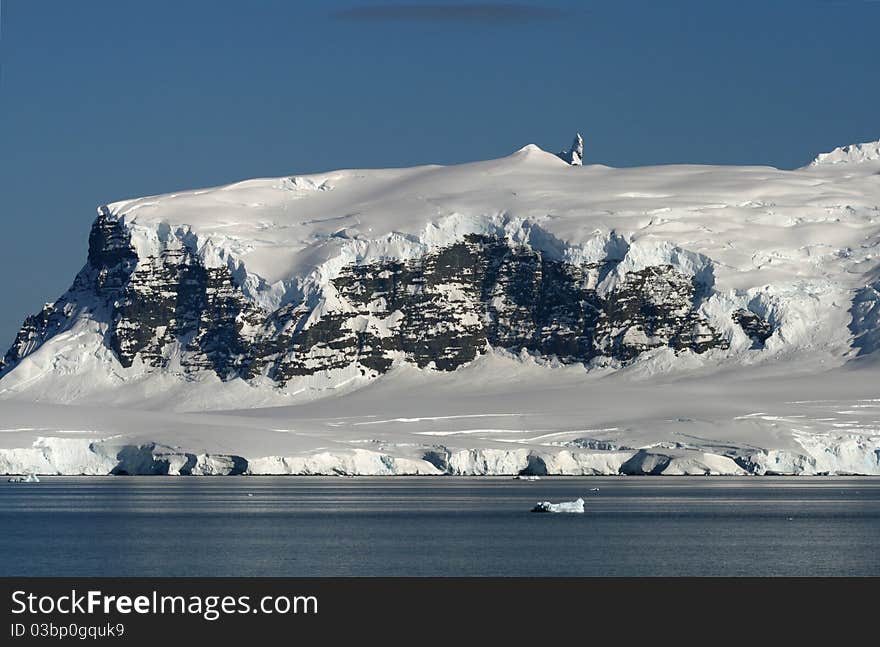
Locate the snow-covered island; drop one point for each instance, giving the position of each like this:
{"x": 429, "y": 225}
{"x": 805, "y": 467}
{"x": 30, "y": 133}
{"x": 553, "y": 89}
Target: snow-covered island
{"x": 529, "y": 315}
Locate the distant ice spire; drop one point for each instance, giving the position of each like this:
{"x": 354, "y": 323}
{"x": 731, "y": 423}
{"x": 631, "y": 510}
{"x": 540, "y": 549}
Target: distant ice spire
{"x": 575, "y": 155}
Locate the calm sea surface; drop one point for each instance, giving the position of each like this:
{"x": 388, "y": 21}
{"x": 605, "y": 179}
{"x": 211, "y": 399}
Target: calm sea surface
{"x": 261, "y": 526}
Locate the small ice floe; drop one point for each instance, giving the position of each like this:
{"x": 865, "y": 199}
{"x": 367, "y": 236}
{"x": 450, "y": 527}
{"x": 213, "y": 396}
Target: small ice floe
{"x": 27, "y": 478}
{"x": 250, "y": 494}
{"x": 523, "y": 477}
{"x": 576, "y": 506}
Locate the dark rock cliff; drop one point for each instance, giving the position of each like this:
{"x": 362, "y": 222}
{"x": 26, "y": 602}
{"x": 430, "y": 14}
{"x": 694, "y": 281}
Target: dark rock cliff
{"x": 441, "y": 310}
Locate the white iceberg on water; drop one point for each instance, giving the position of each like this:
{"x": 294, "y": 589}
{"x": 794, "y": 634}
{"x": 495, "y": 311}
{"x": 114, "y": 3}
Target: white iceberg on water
{"x": 576, "y": 506}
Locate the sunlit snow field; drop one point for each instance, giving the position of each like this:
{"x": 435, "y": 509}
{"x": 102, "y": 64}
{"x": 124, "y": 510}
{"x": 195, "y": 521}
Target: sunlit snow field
{"x": 427, "y": 526}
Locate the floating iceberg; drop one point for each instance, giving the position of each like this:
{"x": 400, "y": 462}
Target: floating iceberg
{"x": 576, "y": 506}
{"x": 28, "y": 478}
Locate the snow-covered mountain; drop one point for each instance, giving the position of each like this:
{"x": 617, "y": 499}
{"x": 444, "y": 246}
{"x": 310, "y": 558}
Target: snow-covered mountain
{"x": 520, "y": 314}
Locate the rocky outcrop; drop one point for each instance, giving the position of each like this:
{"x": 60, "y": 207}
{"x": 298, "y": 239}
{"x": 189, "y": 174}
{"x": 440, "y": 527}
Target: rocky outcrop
{"x": 575, "y": 154}
{"x": 865, "y": 322}
{"x": 169, "y": 311}
{"x": 174, "y": 306}
{"x": 758, "y": 330}
{"x": 111, "y": 262}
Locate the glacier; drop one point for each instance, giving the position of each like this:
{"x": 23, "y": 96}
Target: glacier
{"x": 531, "y": 315}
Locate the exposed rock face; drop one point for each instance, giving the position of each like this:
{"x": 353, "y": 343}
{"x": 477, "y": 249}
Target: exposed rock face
{"x": 174, "y": 303}
{"x": 575, "y": 154}
{"x": 171, "y": 312}
{"x": 865, "y": 324}
{"x": 756, "y": 328}
{"x": 110, "y": 265}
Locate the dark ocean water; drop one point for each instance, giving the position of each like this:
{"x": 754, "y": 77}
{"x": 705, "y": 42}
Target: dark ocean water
{"x": 143, "y": 526}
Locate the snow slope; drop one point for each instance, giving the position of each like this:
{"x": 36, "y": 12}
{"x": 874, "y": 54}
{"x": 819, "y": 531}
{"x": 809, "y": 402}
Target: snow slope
{"x": 795, "y": 248}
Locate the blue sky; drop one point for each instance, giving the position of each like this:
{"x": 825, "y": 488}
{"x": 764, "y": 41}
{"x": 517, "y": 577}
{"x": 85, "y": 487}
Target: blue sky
{"x": 103, "y": 100}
